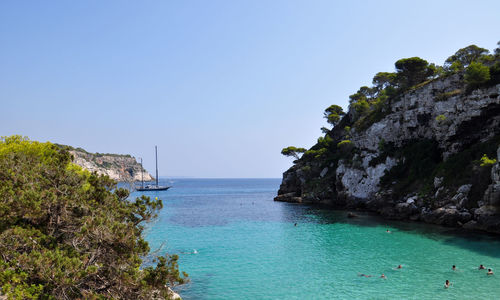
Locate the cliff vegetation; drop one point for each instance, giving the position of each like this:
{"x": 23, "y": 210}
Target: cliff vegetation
{"x": 420, "y": 143}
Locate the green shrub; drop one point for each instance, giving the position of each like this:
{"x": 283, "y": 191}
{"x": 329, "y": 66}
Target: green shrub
{"x": 486, "y": 161}
{"x": 344, "y": 143}
{"x": 315, "y": 153}
{"x": 476, "y": 74}
{"x": 441, "y": 119}
{"x": 324, "y": 142}
{"x": 361, "y": 107}
{"x": 379, "y": 110}
{"x": 66, "y": 233}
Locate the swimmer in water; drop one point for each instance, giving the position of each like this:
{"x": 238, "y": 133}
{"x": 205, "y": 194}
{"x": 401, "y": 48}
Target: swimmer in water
{"x": 295, "y": 224}
{"x": 388, "y": 231}
{"x": 454, "y": 268}
{"x": 400, "y": 267}
{"x": 364, "y": 275}
{"x": 490, "y": 272}
{"x": 447, "y": 284}
{"x": 481, "y": 267}
{"x": 383, "y": 276}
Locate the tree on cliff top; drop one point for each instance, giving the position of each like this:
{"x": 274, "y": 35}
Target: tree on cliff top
{"x": 333, "y": 113}
{"x": 66, "y": 233}
{"x": 293, "y": 151}
{"x": 412, "y": 71}
{"x": 464, "y": 57}
{"x": 382, "y": 80}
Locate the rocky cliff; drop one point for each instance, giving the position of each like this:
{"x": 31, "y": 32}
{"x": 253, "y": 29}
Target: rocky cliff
{"x": 116, "y": 166}
{"x": 427, "y": 155}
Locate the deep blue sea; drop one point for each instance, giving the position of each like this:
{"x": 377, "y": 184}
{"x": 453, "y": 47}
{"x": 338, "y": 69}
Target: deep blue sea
{"x": 237, "y": 243}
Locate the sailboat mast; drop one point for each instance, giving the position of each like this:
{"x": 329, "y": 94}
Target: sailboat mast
{"x": 142, "y": 175}
{"x": 156, "y": 159}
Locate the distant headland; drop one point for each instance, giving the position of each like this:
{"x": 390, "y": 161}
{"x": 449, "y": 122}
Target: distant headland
{"x": 119, "y": 167}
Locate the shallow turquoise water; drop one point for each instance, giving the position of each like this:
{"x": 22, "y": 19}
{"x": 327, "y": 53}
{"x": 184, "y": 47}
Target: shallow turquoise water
{"x": 236, "y": 243}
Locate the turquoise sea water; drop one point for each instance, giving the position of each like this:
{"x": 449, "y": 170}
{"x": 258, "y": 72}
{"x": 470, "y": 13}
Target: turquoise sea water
{"x": 237, "y": 243}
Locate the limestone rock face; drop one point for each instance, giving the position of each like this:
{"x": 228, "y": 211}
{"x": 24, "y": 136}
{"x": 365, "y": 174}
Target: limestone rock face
{"x": 290, "y": 186}
{"x": 492, "y": 194}
{"x": 440, "y": 111}
{"x": 414, "y": 117}
{"x": 362, "y": 183}
{"x": 117, "y": 167}
{"x": 488, "y": 215}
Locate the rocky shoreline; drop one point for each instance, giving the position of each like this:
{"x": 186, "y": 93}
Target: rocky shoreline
{"x": 452, "y": 214}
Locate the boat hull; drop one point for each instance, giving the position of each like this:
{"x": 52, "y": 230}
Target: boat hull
{"x": 155, "y": 188}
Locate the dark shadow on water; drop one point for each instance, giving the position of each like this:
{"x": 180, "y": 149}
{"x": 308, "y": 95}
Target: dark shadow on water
{"x": 481, "y": 242}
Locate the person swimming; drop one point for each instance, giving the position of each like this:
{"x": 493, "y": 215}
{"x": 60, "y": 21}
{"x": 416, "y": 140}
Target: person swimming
{"x": 447, "y": 284}
{"x": 388, "y": 231}
{"x": 490, "y": 272}
{"x": 481, "y": 267}
{"x": 400, "y": 267}
{"x": 364, "y": 275}
{"x": 454, "y": 268}
{"x": 383, "y": 276}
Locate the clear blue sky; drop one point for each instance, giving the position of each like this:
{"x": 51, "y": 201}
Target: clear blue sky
{"x": 220, "y": 86}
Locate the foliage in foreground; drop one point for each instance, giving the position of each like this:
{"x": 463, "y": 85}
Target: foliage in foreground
{"x": 66, "y": 233}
